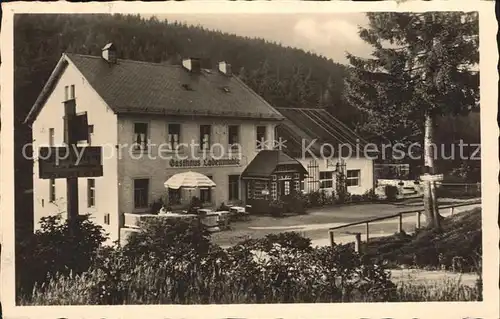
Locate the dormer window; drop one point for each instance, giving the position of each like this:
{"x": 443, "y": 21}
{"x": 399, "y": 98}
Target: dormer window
{"x": 192, "y": 65}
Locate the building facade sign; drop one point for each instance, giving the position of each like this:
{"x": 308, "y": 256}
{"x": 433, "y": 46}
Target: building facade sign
{"x": 207, "y": 162}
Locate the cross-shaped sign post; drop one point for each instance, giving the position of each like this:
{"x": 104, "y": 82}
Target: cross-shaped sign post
{"x": 71, "y": 182}
{"x": 71, "y": 161}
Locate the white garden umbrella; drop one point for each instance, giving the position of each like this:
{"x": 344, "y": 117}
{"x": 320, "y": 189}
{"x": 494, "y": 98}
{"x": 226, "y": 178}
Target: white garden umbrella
{"x": 189, "y": 180}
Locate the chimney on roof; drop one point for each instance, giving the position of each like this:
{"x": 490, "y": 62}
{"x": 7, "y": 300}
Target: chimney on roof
{"x": 193, "y": 65}
{"x": 225, "y": 68}
{"x": 109, "y": 53}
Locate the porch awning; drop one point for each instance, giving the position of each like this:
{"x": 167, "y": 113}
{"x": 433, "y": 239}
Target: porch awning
{"x": 266, "y": 161}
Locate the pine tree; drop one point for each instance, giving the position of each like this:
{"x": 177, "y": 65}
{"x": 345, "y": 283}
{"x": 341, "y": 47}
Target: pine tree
{"x": 422, "y": 68}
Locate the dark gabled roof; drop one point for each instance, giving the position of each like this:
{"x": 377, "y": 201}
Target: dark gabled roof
{"x": 266, "y": 161}
{"x": 302, "y": 126}
{"x": 136, "y": 87}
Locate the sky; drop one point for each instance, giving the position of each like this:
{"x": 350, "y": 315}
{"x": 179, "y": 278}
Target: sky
{"x": 330, "y": 35}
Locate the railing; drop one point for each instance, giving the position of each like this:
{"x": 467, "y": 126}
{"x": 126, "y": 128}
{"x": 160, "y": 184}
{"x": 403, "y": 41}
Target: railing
{"x": 399, "y": 217}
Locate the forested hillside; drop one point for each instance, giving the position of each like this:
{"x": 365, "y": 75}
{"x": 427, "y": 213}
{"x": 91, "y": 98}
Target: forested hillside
{"x": 285, "y": 77}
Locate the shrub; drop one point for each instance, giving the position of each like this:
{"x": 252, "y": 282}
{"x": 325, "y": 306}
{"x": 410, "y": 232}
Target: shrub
{"x": 289, "y": 240}
{"x": 323, "y": 198}
{"x": 370, "y": 196}
{"x": 356, "y": 198}
{"x": 314, "y": 199}
{"x": 343, "y": 197}
{"x": 53, "y": 249}
{"x": 277, "y": 208}
{"x": 165, "y": 237}
{"x": 391, "y": 192}
{"x": 318, "y": 198}
{"x": 294, "y": 203}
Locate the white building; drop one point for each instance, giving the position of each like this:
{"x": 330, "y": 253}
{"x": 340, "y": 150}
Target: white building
{"x": 316, "y": 139}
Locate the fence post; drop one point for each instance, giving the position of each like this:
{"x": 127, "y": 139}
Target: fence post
{"x": 418, "y": 219}
{"x": 400, "y": 223}
{"x": 367, "y": 232}
{"x": 332, "y": 242}
{"x": 357, "y": 243}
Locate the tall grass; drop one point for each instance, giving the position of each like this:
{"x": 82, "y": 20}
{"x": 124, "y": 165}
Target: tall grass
{"x": 155, "y": 286}
{"x": 442, "y": 290}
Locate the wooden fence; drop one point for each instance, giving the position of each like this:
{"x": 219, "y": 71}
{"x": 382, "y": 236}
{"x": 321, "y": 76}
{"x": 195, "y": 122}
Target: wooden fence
{"x": 398, "y": 217}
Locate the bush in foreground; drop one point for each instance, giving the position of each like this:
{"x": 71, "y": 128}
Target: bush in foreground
{"x": 53, "y": 250}
{"x": 277, "y": 269}
{"x": 173, "y": 262}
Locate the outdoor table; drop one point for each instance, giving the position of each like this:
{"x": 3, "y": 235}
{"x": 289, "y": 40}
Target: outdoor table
{"x": 238, "y": 212}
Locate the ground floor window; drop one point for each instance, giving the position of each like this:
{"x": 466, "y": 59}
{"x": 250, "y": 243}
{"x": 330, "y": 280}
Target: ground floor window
{"x": 91, "y": 192}
{"x": 274, "y": 191}
{"x": 107, "y": 219}
{"x": 52, "y": 191}
{"x": 234, "y": 187}
{"x": 325, "y": 179}
{"x": 297, "y": 186}
{"x": 353, "y": 177}
{"x": 256, "y": 189}
{"x": 206, "y": 194}
{"x": 287, "y": 187}
{"x": 141, "y": 191}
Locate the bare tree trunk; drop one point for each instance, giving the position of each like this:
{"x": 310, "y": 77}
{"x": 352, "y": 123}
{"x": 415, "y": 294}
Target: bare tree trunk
{"x": 435, "y": 207}
{"x": 430, "y": 199}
